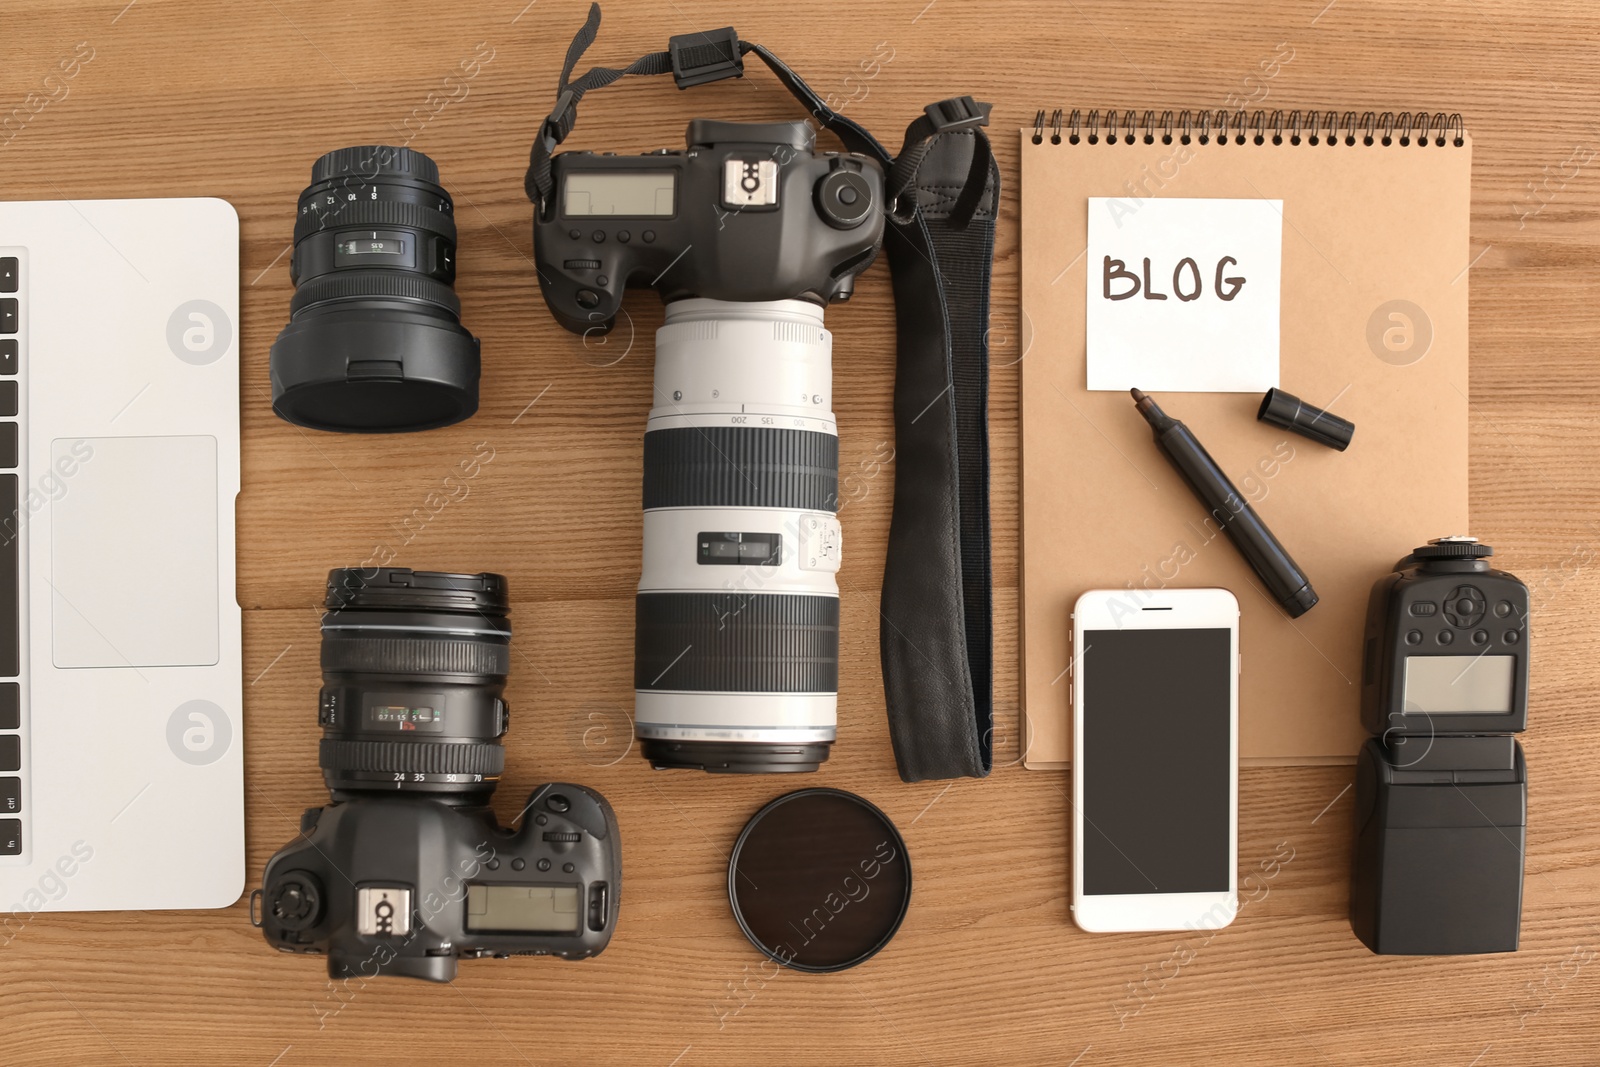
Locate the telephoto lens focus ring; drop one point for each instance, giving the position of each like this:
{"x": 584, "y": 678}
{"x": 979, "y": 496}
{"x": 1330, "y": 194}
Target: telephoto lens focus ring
{"x": 741, "y": 467}
{"x": 374, "y": 160}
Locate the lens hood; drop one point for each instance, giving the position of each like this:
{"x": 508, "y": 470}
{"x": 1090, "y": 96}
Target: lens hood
{"x": 367, "y": 370}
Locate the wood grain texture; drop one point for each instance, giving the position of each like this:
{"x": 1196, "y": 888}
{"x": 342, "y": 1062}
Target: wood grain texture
{"x": 191, "y": 98}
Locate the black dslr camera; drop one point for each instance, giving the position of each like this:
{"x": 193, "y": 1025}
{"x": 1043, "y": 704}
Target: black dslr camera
{"x": 749, "y": 212}
{"x": 1442, "y": 790}
{"x": 747, "y": 235}
{"x": 407, "y": 870}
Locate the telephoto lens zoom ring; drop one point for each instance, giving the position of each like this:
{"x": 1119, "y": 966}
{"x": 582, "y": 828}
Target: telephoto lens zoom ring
{"x": 369, "y": 285}
{"x": 370, "y": 161}
{"x": 375, "y": 214}
{"x": 424, "y": 655}
{"x": 409, "y": 757}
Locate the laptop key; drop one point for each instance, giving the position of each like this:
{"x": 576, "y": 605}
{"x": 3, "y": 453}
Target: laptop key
{"x": 10, "y": 752}
{"x": 8, "y": 357}
{"x": 8, "y": 315}
{"x": 10, "y": 796}
{"x": 8, "y": 398}
{"x": 10, "y": 706}
{"x": 10, "y": 602}
{"x": 10, "y": 837}
{"x": 9, "y": 271}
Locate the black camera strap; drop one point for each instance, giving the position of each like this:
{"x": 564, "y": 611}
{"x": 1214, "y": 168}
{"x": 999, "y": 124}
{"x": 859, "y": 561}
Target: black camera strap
{"x": 936, "y": 634}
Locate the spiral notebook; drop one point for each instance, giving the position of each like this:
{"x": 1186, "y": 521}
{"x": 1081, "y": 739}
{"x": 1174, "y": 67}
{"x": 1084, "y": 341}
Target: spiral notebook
{"x": 1371, "y": 323}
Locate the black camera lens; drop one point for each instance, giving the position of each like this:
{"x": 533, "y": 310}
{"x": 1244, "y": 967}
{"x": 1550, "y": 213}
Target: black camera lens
{"x": 374, "y": 342}
{"x": 414, "y": 665}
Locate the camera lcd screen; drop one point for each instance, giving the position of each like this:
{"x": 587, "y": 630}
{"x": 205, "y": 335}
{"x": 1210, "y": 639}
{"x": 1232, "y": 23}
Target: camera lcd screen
{"x": 1157, "y": 760}
{"x": 1459, "y": 685}
{"x": 523, "y": 909}
{"x": 635, "y": 193}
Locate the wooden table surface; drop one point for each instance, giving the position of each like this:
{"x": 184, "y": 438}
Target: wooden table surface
{"x": 237, "y": 100}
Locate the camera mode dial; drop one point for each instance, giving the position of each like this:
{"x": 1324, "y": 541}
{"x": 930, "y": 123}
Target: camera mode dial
{"x": 297, "y": 901}
{"x": 844, "y": 199}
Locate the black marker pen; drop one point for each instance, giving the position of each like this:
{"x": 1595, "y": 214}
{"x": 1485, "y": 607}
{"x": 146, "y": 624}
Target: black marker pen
{"x": 1285, "y": 581}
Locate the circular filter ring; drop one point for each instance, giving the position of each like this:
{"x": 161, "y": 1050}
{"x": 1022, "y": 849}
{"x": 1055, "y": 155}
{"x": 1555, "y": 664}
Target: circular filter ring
{"x": 819, "y": 880}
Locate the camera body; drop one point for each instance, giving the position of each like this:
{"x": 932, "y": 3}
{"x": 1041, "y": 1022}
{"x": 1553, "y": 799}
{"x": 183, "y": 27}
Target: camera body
{"x": 747, "y": 235}
{"x": 748, "y": 212}
{"x": 1441, "y": 790}
{"x": 406, "y": 886}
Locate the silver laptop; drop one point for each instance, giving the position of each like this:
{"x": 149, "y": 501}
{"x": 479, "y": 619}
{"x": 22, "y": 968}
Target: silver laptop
{"x": 121, "y": 772}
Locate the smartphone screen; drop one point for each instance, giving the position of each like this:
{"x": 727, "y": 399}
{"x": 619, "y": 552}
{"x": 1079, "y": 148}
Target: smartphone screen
{"x": 1157, "y": 760}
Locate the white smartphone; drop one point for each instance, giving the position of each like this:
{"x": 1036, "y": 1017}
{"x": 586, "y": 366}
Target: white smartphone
{"x": 1155, "y": 759}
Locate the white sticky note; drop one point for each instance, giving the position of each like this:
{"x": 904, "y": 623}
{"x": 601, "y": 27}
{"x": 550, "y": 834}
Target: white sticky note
{"x": 1183, "y": 294}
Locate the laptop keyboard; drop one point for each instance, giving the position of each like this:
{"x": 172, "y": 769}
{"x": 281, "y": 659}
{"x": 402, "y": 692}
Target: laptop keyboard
{"x": 13, "y": 314}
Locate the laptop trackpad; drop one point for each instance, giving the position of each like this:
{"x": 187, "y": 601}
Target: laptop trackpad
{"x": 133, "y": 553}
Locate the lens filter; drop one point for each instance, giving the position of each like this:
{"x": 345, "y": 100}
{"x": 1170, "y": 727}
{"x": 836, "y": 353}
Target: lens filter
{"x": 820, "y": 880}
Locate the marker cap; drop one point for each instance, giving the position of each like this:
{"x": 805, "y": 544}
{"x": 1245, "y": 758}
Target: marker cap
{"x": 1290, "y": 412}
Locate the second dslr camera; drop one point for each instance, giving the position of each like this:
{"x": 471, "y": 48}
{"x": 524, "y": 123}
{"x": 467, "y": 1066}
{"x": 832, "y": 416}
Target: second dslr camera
{"x": 746, "y": 235}
{"x": 407, "y": 870}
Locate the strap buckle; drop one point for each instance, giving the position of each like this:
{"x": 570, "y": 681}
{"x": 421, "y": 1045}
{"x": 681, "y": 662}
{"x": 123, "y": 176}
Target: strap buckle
{"x": 957, "y": 113}
{"x": 562, "y": 119}
{"x": 708, "y": 56}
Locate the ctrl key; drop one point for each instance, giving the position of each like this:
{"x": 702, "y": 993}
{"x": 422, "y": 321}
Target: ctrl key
{"x": 10, "y": 837}
{"x": 10, "y": 796}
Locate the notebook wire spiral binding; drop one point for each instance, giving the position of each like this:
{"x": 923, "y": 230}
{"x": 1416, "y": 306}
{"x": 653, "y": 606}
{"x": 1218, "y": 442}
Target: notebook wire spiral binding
{"x": 1387, "y": 128}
